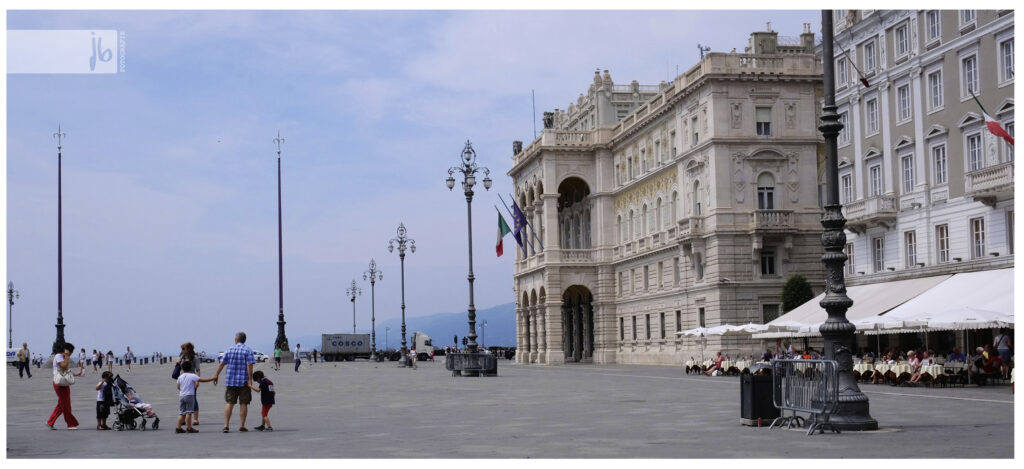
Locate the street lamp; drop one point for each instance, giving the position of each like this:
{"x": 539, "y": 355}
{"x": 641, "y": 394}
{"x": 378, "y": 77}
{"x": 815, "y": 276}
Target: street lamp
{"x": 852, "y": 412}
{"x": 58, "y": 344}
{"x": 374, "y": 274}
{"x": 469, "y": 362}
{"x": 11, "y": 295}
{"x": 401, "y": 241}
{"x": 281, "y": 341}
{"x": 352, "y": 292}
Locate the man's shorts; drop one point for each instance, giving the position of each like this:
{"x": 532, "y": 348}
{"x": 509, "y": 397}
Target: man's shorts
{"x": 187, "y": 404}
{"x": 238, "y": 395}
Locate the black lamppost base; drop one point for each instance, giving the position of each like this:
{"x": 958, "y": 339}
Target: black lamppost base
{"x": 471, "y": 364}
{"x": 853, "y": 416}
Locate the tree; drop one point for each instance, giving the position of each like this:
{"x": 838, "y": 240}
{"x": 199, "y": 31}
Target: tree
{"x": 795, "y": 292}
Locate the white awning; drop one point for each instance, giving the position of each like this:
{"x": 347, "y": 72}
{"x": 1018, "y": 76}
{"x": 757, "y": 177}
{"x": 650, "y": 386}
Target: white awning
{"x": 868, "y": 301}
{"x": 971, "y": 300}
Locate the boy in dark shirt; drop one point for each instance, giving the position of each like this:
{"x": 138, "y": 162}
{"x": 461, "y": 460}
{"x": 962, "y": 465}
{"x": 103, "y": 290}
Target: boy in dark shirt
{"x": 104, "y": 399}
{"x": 266, "y": 390}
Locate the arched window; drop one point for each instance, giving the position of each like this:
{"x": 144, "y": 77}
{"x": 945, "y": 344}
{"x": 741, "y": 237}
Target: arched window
{"x": 632, "y": 226}
{"x": 675, "y": 207}
{"x": 659, "y": 212}
{"x": 643, "y": 222}
{"x": 629, "y": 168}
{"x": 619, "y": 226}
{"x": 635, "y": 220}
{"x": 766, "y": 191}
{"x": 586, "y": 229}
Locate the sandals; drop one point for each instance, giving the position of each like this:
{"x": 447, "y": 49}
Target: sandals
{"x": 243, "y": 429}
{"x": 225, "y": 430}
{"x": 179, "y": 430}
{"x": 192, "y": 430}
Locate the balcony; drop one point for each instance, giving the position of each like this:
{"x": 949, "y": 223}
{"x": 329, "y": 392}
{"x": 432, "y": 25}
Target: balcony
{"x": 772, "y": 221}
{"x": 990, "y": 185}
{"x": 879, "y": 210}
{"x": 573, "y": 256}
{"x": 691, "y": 227}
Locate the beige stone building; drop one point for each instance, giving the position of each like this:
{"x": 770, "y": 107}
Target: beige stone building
{"x": 927, "y": 189}
{"x": 663, "y": 208}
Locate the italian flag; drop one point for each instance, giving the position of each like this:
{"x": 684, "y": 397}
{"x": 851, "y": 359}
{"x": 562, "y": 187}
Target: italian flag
{"x": 992, "y": 125}
{"x": 503, "y": 230}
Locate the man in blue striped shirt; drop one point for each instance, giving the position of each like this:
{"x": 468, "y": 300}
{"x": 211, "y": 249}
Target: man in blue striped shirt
{"x": 238, "y": 359}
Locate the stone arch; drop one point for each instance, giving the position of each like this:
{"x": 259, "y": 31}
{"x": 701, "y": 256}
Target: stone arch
{"x": 574, "y": 213}
{"x": 577, "y": 324}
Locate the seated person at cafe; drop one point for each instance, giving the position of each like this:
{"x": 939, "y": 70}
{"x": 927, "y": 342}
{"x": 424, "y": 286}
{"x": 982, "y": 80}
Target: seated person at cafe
{"x": 767, "y": 356}
{"x": 925, "y": 360}
{"x": 716, "y": 364}
{"x": 956, "y": 356}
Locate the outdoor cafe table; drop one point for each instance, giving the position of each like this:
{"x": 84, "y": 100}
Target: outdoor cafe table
{"x": 933, "y": 370}
{"x": 742, "y": 364}
{"x": 863, "y": 368}
{"x": 726, "y": 364}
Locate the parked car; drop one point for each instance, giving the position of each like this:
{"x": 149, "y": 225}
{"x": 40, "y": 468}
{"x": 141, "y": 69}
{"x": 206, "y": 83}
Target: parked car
{"x": 260, "y": 356}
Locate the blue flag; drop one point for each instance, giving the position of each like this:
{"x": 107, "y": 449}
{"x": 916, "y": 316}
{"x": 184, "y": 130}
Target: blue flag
{"x": 519, "y": 219}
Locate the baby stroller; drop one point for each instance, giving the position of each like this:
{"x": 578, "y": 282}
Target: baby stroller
{"x": 128, "y": 406}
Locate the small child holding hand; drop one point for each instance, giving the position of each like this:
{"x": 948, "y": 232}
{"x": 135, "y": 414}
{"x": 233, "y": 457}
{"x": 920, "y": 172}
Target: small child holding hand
{"x": 188, "y": 382}
{"x": 266, "y": 390}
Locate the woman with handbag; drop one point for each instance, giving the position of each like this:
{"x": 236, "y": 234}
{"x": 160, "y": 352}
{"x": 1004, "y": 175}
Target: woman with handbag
{"x": 62, "y": 381}
{"x": 188, "y": 354}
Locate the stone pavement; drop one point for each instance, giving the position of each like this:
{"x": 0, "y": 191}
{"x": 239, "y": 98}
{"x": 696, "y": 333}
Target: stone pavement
{"x": 367, "y": 410}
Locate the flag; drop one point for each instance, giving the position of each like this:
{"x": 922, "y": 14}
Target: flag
{"x": 520, "y": 221}
{"x": 503, "y": 230}
{"x": 991, "y": 123}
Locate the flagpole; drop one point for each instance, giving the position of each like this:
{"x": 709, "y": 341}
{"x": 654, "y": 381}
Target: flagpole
{"x": 528, "y": 225}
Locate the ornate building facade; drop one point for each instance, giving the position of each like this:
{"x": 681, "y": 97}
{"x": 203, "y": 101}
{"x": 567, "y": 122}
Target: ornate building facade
{"x": 664, "y": 208}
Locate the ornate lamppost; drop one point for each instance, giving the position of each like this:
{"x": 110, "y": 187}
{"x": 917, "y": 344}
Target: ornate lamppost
{"x": 374, "y": 274}
{"x": 401, "y": 241}
{"x": 58, "y": 344}
{"x": 281, "y": 341}
{"x": 11, "y": 295}
{"x": 838, "y": 332}
{"x": 469, "y": 363}
{"x": 352, "y": 292}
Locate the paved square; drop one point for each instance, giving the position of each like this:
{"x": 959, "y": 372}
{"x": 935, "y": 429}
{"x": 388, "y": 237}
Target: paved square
{"x": 367, "y": 410}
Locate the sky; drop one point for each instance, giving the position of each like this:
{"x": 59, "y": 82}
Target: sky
{"x": 169, "y": 168}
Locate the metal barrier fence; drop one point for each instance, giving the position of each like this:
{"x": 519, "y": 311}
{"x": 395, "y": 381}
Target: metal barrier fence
{"x": 810, "y": 386}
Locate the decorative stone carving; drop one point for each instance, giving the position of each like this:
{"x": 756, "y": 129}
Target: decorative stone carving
{"x": 737, "y": 115}
{"x": 549, "y": 120}
{"x": 649, "y": 190}
{"x": 790, "y": 115}
{"x": 991, "y": 150}
{"x": 739, "y": 182}
{"x": 517, "y": 147}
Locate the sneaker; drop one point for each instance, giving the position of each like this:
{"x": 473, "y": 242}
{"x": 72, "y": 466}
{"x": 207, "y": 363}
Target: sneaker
{"x": 259, "y": 428}
{"x": 73, "y": 428}
{"x": 192, "y": 430}
{"x": 50, "y": 426}
{"x": 270, "y": 429}
{"x": 225, "y": 430}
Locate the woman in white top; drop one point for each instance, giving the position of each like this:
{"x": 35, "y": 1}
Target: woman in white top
{"x": 81, "y": 359}
{"x": 61, "y": 363}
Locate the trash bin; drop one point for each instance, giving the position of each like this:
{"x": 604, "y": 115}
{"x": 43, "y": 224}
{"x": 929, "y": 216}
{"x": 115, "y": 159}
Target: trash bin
{"x": 756, "y": 407}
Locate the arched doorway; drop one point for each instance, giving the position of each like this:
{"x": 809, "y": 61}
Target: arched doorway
{"x": 574, "y": 213}
{"x": 577, "y": 324}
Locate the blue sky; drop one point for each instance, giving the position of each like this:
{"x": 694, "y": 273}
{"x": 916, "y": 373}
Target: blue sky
{"x": 169, "y": 169}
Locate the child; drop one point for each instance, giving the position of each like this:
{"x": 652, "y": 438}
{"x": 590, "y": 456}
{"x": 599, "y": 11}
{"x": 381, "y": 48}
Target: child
{"x": 266, "y": 390}
{"x": 104, "y": 399}
{"x": 188, "y": 382}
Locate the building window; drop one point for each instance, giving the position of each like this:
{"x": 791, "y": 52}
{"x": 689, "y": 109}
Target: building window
{"x": 767, "y": 263}
{"x": 701, "y": 317}
{"x": 1006, "y": 60}
{"x": 696, "y": 199}
{"x": 634, "y": 327}
{"x": 1009, "y": 148}
{"x": 1009, "y": 230}
{"x": 910, "y": 247}
{"x": 769, "y": 313}
{"x": 869, "y": 56}
{"x": 908, "y": 173}
{"x": 647, "y": 326}
{"x": 675, "y": 205}
{"x": 942, "y": 241}
{"x": 622, "y": 329}
{"x": 967, "y": 17}
{"x": 765, "y": 192}
{"x": 850, "y": 264}
{"x": 974, "y": 155}
{"x": 978, "y": 237}
{"x": 696, "y": 134}
{"x": 661, "y": 269}
{"x": 672, "y": 136}
{"x": 901, "y": 41}
{"x": 935, "y": 90}
{"x": 675, "y": 268}
{"x": 647, "y": 277}
{"x": 842, "y": 76}
{"x": 698, "y": 266}
{"x": 847, "y": 185}
{"x": 969, "y": 80}
{"x": 661, "y": 324}
{"x": 875, "y": 173}
{"x": 878, "y": 252}
{"x": 679, "y": 321}
{"x": 871, "y": 114}
{"x": 764, "y": 121}
{"x": 939, "y": 160}
{"x": 903, "y": 102}
{"x": 934, "y": 24}
{"x": 844, "y": 133}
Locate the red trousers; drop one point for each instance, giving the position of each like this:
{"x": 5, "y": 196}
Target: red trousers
{"x": 63, "y": 407}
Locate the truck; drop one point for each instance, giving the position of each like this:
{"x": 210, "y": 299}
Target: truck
{"x": 421, "y": 343}
{"x": 339, "y": 347}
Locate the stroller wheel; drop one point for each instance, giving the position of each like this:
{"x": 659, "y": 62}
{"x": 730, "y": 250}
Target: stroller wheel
{"x": 156, "y": 423}
{"x": 143, "y": 426}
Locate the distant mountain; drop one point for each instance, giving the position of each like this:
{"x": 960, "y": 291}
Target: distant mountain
{"x": 441, "y": 327}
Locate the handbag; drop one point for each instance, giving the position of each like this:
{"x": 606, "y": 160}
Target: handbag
{"x": 63, "y": 378}
{"x": 177, "y": 371}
